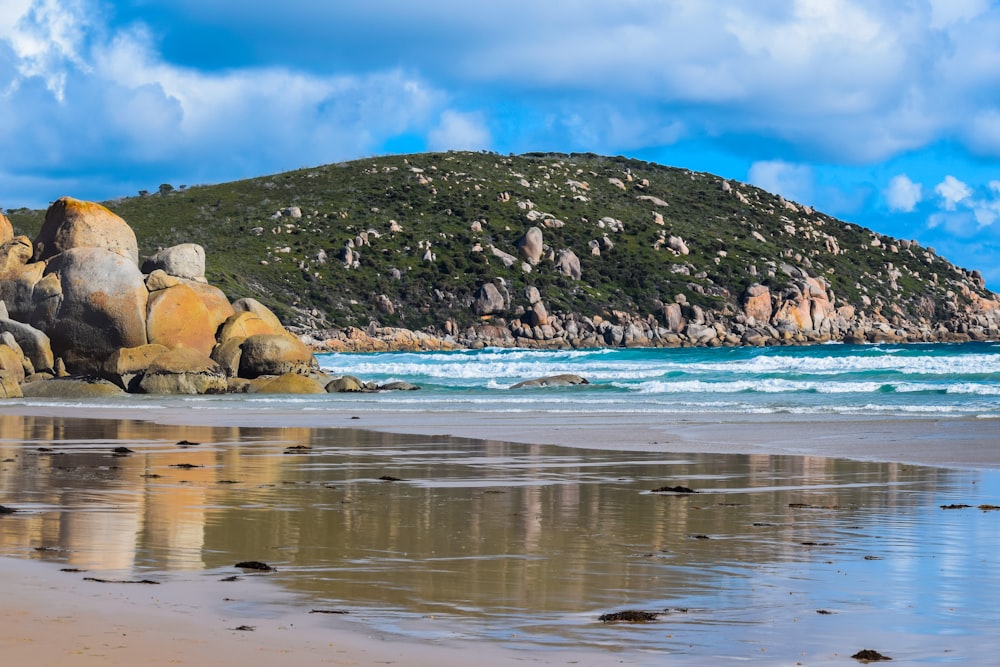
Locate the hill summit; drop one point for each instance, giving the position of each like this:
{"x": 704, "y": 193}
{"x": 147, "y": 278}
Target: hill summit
{"x": 552, "y": 250}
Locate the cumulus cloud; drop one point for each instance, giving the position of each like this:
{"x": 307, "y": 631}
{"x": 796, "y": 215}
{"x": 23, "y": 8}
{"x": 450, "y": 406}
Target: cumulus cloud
{"x": 82, "y": 100}
{"x": 459, "y": 131}
{"x": 843, "y": 80}
{"x": 791, "y": 181}
{"x": 952, "y": 191}
{"x": 903, "y": 194}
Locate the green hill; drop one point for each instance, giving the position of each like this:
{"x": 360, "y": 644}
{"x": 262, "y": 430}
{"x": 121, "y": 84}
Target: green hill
{"x": 281, "y": 239}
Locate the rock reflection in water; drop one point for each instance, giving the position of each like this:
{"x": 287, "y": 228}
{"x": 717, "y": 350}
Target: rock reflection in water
{"x": 506, "y": 538}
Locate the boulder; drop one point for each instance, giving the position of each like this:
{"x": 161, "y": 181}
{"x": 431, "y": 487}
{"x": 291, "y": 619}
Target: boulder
{"x": 488, "y": 300}
{"x": 215, "y": 301}
{"x": 532, "y": 295}
{"x": 71, "y": 223}
{"x": 12, "y": 362}
{"x": 678, "y": 245}
{"x": 568, "y": 264}
{"x": 17, "y": 288}
{"x": 673, "y": 316}
{"x": 14, "y": 254}
{"x": 9, "y": 387}
{"x": 126, "y": 366}
{"x": 260, "y": 310}
{"x": 177, "y": 317}
{"x": 227, "y": 354}
{"x": 398, "y": 385}
{"x": 243, "y": 325}
{"x": 536, "y": 315}
{"x": 71, "y": 387}
{"x": 34, "y": 343}
{"x": 275, "y": 354}
{"x": 530, "y": 245}
{"x": 91, "y": 302}
{"x": 186, "y": 260}
{"x": 757, "y": 303}
{"x": 700, "y": 334}
{"x": 562, "y": 380}
{"x": 160, "y": 279}
{"x": 6, "y": 229}
{"x": 184, "y": 371}
{"x": 289, "y": 383}
{"x": 345, "y": 384}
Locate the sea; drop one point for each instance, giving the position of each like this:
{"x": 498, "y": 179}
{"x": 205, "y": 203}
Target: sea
{"x": 942, "y": 380}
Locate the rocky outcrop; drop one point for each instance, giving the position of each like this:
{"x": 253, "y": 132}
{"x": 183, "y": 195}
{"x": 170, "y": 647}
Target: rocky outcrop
{"x": 84, "y": 307}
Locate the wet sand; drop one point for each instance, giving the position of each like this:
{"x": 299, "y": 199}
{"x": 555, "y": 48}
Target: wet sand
{"x": 54, "y": 618}
{"x": 954, "y": 443}
{"x": 51, "y": 618}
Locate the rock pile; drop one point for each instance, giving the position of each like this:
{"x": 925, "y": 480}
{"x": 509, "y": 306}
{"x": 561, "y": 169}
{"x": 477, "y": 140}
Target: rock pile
{"x": 79, "y": 317}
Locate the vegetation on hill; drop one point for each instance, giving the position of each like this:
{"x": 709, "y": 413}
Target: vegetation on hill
{"x": 420, "y": 229}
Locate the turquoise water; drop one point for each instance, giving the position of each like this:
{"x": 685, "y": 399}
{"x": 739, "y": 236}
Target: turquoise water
{"x": 937, "y": 379}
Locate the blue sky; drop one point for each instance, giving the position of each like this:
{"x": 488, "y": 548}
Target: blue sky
{"x": 880, "y": 112}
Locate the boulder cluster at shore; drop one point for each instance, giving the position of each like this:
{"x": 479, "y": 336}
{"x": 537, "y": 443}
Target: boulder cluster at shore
{"x": 81, "y": 316}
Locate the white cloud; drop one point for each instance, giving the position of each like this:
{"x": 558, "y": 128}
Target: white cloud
{"x": 952, "y": 191}
{"x": 47, "y": 40}
{"x": 459, "y": 131}
{"x": 791, "y": 181}
{"x": 80, "y": 101}
{"x": 903, "y": 194}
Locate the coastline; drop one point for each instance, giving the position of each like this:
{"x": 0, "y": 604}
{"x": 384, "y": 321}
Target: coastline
{"x": 52, "y": 617}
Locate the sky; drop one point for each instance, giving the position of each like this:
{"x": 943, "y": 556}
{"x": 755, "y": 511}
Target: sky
{"x": 885, "y": 113}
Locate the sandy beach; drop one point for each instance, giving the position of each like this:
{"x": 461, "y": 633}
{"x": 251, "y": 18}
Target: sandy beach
{"x": 57, "y": 618}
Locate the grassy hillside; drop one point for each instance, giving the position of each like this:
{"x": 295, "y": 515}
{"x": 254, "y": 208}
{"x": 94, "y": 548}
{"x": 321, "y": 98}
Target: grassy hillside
{"x": 737, "y": 235}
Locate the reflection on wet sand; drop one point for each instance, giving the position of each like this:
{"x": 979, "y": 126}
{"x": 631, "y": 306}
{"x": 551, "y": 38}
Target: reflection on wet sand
{"x": 523, "y": 539}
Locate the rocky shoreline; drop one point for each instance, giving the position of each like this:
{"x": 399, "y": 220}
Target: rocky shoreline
{"x": 802, "y": 314}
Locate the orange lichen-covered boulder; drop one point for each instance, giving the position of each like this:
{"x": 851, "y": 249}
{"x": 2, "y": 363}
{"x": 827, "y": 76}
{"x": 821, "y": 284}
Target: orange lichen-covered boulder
{"x": 184, "y": 371}
{"x": 214, "y": 299}
{"x": 260, "y": 310}
{"x": 275, "y": 354}
{"x": 71, "y": 223}
{"x": 125, "y": 367}
{"x": 177, "y": 317}
{"x": 90, "y": 302}
{"x": 243, "y": 325}
{"x": 289, "y": 383}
